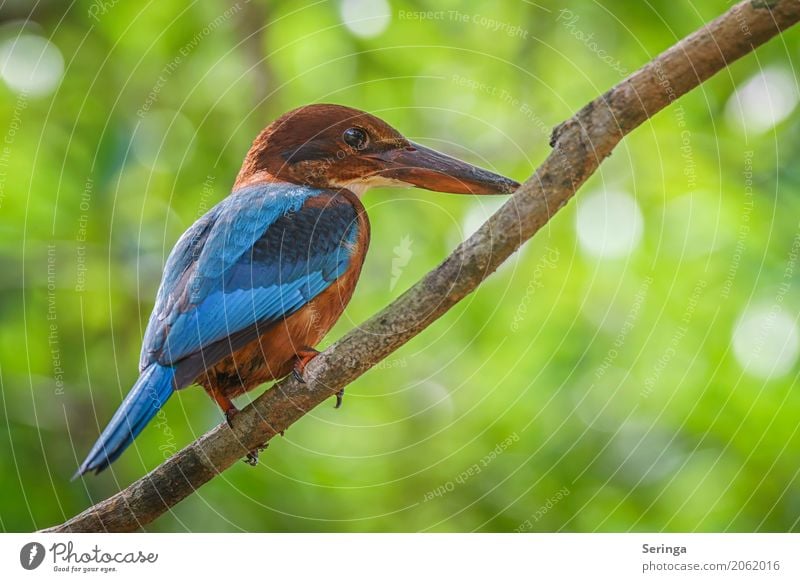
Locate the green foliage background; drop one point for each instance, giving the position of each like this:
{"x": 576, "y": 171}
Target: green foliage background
{"x": 570, "y": 392}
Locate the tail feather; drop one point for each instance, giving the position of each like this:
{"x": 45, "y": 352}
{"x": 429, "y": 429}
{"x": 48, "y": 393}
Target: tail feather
{"x": 148, "y": 395}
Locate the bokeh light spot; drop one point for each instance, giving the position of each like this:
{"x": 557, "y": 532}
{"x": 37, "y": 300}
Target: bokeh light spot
{"x": 763, "y": 101}
{"x": 366, "y": 18}
{"x": 766, "y": 342}
{"x": 164, "y": 140}
{"x": 31, "y": 64}
{"x": 480, "y": 210}
{"x": 609, "y": 224}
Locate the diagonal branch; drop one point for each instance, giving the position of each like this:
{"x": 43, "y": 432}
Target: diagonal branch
{"x": 579, "y": 146}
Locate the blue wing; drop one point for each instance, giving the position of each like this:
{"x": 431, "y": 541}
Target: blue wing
{"x": 256, "y": 257}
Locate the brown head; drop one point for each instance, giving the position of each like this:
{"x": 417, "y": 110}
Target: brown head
{"x": 332, "y": 146}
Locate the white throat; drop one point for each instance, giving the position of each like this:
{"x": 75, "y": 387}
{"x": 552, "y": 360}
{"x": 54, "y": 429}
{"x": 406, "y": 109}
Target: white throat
{"x": 358, "y": 187}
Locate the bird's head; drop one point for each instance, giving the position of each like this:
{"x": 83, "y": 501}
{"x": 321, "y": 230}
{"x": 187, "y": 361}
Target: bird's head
{"x": 331, "y": 146}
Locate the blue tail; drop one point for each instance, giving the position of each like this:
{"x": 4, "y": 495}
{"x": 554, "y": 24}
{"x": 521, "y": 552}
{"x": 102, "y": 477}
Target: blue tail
{"x": 148, "y": 395}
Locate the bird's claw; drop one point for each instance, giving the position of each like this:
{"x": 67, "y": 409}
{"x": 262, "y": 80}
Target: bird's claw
{"x": 252, "y": 457}
{"x": 339, "y": 398}
{"x": 304, "y": 356}
{"x": 230, "y": 414}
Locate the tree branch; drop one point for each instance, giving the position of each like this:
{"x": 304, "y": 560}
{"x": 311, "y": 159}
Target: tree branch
{"x": 579, "y": 146}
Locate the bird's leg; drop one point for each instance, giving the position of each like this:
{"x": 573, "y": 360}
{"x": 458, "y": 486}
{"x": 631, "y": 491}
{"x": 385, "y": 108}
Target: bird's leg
{"x": 225, "y": 404}
{"x": 230, "y": 410}
{"x": 230, "y": 413}
{"x": 304, "y": 356}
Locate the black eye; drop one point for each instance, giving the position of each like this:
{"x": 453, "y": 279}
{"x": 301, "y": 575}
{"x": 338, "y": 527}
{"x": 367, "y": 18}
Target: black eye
{"x": 355, "y": 137}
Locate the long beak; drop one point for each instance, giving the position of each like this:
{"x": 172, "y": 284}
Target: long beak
{"x": 432, "y": 170}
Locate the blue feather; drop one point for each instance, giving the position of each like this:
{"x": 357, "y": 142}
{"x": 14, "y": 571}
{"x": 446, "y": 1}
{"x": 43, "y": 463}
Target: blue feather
{"x": 256, "y": 257}
{"x": 223, "y": 313}
{"x": 206, "y": 252}
{"x": 145, "y": 399}
{"x": 262, "y": 257}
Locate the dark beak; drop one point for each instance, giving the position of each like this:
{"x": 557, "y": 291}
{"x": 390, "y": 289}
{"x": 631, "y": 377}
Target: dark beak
{"x": 429, "y": 169}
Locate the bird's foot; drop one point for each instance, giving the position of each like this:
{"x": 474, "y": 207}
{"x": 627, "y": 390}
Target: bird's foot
{"x": 230, "y": 414}
{"x": 224, "y": 403}
{"x": 339, "y": 398}
{"x": 304, "y": 356}
{"x": 252, "y": 457}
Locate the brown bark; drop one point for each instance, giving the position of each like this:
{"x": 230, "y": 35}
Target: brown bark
{"x": 579, "y": 146}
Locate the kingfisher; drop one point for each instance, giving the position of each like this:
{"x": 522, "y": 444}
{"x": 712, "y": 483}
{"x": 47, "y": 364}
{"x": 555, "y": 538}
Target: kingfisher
{"x": 254, "y": 284}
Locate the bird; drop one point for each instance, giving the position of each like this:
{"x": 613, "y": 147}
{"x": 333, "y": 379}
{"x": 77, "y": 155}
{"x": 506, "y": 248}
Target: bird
{"x": 254, "y": 284}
